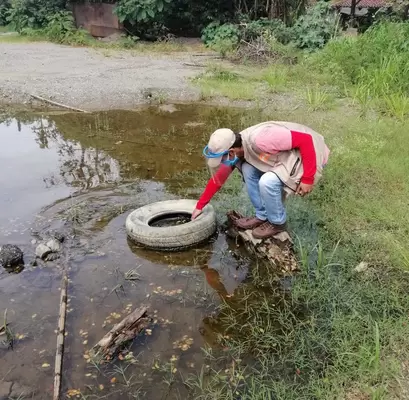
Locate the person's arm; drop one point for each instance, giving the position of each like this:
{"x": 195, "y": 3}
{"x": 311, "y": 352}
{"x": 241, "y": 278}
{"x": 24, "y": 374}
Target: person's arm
{"x": 304, "y": 143}
{"x": 273, "y": 140}
{"x": 213, "y": 186}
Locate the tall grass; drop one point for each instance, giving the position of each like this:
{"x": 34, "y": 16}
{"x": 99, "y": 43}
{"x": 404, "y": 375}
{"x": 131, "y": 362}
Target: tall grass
{"x": 379, "y": 58}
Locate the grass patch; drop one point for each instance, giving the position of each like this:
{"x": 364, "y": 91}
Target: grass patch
{"x": 82, "y": 38}
{"x": 339, "y": 333}
{"x": 4, "y": 29}
{"x": 218, "y": 81}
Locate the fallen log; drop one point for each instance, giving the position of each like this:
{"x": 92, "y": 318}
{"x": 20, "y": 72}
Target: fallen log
{"x": 276, "y": 251}
{"x": 123, "y": 332}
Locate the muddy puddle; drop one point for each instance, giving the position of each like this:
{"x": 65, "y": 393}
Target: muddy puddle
{"x": 80, "y": 175}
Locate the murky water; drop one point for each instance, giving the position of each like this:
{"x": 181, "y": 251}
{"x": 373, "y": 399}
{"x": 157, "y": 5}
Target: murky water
{"x": 82, "y": 174}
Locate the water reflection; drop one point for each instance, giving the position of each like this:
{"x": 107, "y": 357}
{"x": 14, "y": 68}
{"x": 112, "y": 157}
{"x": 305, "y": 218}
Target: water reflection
{"x": 44, "y": 158}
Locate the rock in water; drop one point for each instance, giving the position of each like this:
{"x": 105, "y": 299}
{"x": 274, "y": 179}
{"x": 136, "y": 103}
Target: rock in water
{"x": 53, "y": 234}
{"x": 11, "y": 256}
{"x": 42, "y": 251}
{"x": 54, "y": 245}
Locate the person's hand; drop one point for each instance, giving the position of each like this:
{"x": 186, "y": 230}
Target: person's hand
{"x": 303, "y": 189}
{"x": 196, "y": 213}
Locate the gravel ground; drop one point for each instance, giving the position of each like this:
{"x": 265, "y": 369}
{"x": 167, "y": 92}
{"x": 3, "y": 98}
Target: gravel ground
{"x": 92, "y": 79}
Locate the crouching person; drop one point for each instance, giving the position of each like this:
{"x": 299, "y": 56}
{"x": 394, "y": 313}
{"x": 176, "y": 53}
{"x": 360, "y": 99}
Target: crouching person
{"x": 275, "y": 159}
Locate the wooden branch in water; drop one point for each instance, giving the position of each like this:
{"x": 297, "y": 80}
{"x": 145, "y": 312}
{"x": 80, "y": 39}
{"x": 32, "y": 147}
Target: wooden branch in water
{"x": 110, "y": 345}
{"x": 57, "y": 104}
{"x": 60, "y": 338}
{"x": 277, "y": 250}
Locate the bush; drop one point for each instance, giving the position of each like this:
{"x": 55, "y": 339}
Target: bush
{"x": 59, "y": 29}
{"x": 314, "y": 29}
{"x": 4, "y": 10}
{"x": 222, "y": 38}
{"x": 145, "y": 18}
{"x": 33, "y": 14}
{"x": 60, "y": 26}
{"x": 270, "y": 27}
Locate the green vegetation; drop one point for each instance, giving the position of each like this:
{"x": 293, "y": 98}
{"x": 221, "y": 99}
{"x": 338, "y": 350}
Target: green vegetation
{"x": 342, "y": 330}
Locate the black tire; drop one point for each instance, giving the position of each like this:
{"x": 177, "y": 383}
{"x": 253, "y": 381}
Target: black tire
{"x": 173, "y": 237}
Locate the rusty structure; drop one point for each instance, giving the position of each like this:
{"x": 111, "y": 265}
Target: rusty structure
{"x": 98, "y": 19}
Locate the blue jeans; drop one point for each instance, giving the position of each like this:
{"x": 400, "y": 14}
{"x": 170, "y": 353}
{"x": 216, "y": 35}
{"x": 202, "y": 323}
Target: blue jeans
{"x": 265, "y": 191}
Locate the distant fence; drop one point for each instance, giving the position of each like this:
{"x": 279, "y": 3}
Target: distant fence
{"x": 97, "y": 18}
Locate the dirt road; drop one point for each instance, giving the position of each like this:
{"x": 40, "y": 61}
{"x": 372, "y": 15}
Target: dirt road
{"x": 92, "y": 79}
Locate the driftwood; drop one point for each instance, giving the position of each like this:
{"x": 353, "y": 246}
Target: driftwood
{"x": 54, "y": 103}
{"x": 111, "y": 344}
{"x": 60, "y": 338}
{"x": 277, "y": 251}
{"x": 194, "y": 65}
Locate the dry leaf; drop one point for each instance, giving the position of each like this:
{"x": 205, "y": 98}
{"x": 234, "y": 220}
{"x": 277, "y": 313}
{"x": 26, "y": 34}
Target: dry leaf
{"x": 73, "y": 392}
{"x": 113, "y": 380}
{"x": 45, "y": 365}
{"x": 101, "y": 387}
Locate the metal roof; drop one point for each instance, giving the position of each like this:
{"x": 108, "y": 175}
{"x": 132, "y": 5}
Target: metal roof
{"x": 361, "y": 3}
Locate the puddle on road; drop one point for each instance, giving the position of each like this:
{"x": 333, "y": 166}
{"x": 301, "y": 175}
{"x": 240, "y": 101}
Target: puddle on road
{"x": 82, "y": 174}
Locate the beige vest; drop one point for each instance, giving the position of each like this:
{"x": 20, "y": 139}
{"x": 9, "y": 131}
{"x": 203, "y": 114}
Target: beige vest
{"x": 287, "y": 165}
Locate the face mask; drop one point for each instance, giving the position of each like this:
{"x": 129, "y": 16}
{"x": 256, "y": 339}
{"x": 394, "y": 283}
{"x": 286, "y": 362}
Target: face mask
{"x": 208, "y": 154}
{"x": 231, "y": 163}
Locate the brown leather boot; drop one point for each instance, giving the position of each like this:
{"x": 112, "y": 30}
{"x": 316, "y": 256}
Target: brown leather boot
{"x": 249, "y": 223}
{"x": 267, "y": 230}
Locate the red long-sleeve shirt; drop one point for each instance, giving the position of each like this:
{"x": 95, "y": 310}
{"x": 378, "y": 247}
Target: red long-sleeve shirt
{"x": 269, "y": 141}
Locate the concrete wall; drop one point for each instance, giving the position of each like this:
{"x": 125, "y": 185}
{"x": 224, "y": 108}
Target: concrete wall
{"x": 97, "y": 18}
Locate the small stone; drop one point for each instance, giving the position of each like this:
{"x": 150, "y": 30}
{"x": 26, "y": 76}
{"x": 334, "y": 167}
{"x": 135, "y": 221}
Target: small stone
{"x": 361, "y": 267}
{"x": 42, "y": 251}
{"x": 11, "y": 256}
{"x": 54, "y": 245}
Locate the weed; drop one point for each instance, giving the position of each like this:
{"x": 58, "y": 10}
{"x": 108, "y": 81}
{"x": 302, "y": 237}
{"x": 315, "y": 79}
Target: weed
{"x": 276, "y": 78}
{"x": 5, "y": 330}
{"x": 317, "y": 98}
{"x": 361, "y": 95}
{"x": 74, "y": 214}
{"x": 131, "y": 276}
{"x": 397, "y": 105}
